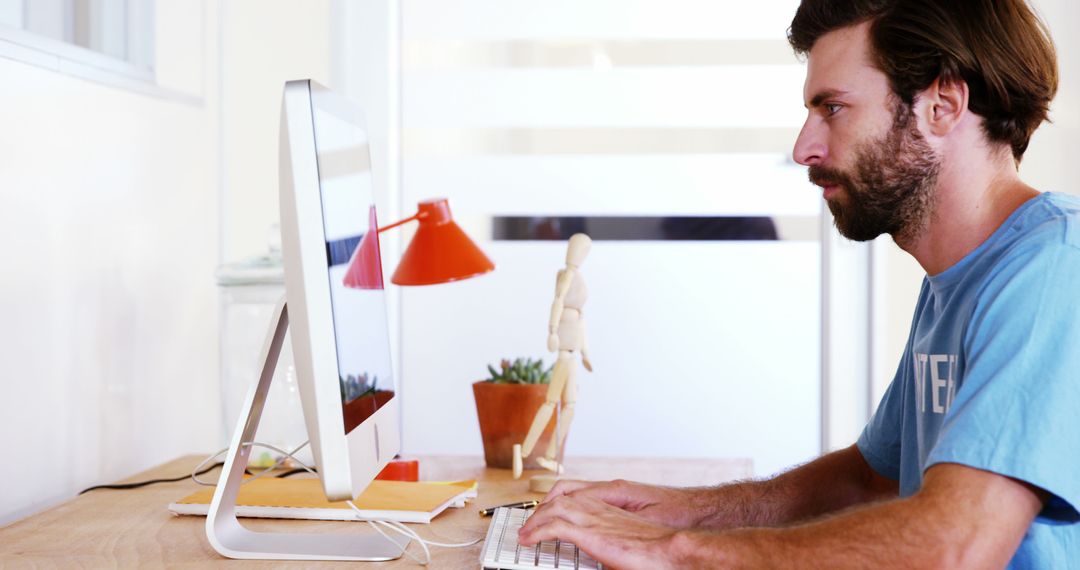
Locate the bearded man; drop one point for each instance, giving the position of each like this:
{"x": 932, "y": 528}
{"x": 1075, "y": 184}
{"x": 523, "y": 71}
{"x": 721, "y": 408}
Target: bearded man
{"x": 919, "y": 112}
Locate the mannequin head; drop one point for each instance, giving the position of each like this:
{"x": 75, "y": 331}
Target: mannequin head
{"x": 578, "y": 249}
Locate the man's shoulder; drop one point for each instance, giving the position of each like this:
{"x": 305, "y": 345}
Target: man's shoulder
{"x": 1050, "y": 221}
{"x": 1038, "y": 247}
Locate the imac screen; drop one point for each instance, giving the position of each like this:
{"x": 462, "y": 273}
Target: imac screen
{"x": 365, "y": 372}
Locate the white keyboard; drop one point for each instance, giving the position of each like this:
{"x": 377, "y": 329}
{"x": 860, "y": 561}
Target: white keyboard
{"x": 502, "y": 551}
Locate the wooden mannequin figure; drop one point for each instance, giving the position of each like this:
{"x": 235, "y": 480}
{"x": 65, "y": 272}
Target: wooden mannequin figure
{"x": 566, "y": 336}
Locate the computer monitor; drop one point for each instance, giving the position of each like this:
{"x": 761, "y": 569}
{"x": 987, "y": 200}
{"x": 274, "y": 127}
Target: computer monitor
{"x": 334, "y": 288}
{"x": 336, "y": 307}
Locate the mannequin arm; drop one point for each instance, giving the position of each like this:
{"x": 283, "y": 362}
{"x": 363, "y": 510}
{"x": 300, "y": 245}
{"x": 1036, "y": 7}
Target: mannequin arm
{"x": 585, "y": 346}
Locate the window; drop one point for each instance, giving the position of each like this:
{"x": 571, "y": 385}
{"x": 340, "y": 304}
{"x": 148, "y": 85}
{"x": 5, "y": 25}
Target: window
{"x": 115, "y": 36}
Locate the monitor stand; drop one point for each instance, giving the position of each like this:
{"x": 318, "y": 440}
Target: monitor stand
{"x": 232, "y": 539}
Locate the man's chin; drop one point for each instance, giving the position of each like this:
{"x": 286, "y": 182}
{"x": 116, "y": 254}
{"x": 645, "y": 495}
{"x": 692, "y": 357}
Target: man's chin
{"x": 856, "y": 235}
{"x": 846, "y": 224}
{"x": 839, "y": 211}
{"x": 854, "y": 232}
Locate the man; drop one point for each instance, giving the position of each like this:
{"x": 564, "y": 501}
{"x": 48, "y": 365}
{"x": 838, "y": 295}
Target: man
{"x": 919, "y": 114}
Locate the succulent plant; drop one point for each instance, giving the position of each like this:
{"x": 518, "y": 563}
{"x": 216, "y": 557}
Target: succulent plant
{"x": 353, "y": 387}
{"x": 520, "y": 371}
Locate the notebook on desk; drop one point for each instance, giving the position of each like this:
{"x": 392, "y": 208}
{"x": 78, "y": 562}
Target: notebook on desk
{"x": 304, "y": 499}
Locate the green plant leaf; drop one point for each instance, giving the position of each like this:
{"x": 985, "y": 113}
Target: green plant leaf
{"x": 521, "y": 370}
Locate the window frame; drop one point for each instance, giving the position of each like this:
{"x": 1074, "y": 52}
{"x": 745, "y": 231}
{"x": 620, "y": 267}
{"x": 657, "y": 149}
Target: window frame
{"x": 73, "y": 60}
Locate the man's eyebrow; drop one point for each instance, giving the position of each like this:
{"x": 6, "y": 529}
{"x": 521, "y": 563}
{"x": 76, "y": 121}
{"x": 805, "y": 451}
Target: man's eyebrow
{"x": 820, "y": 98}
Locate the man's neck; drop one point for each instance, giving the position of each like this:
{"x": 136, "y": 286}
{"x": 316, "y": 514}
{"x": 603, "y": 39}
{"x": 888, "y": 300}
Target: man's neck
{"x": 972, "y": 199}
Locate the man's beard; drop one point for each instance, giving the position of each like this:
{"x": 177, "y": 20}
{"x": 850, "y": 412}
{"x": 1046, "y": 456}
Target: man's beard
{"x": 892, "y": 187}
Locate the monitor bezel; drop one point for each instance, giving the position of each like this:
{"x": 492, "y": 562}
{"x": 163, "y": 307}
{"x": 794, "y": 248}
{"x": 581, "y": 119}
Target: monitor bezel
{"x": 347, "y": 463}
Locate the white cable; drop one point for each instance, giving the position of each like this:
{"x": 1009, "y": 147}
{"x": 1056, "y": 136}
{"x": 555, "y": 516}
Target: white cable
{"x": 405, "y": 550}
{"x": 208, "y": 459}
{"x": 432, "y": 542}
{"x": 402, "y": 529}
{"x": 285, "y": 455}
{"x": 427, "y": 552}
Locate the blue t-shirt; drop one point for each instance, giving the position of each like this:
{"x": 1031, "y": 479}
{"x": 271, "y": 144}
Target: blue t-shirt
{"x": 990, "y": 377}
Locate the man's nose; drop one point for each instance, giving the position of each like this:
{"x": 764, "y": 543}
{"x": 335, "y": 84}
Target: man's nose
{"x": 810, "y": 147}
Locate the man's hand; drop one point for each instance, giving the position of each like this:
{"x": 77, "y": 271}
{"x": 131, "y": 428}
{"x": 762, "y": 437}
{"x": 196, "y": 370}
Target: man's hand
{"x": 613, "y": 536}
{"x": 669, "y": 506}
{"x": 553, "y": 342}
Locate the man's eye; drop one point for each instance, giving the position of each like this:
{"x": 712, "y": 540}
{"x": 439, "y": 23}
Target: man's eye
{"x": 832, "y": 108}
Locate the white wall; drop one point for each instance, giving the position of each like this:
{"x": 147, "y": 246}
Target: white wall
{"x": 108, "y": 241}
{"x": 264, "y": 44}
{"x": 1050, "y": 161}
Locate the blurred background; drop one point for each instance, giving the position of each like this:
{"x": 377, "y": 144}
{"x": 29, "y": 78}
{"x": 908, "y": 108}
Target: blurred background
{"x": 139, "y": 202}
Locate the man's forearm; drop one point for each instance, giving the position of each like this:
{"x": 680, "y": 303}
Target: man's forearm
{"x": 883, "y": 536}
{"x": 924, "y": 531}
{"x": 828, "y": 484}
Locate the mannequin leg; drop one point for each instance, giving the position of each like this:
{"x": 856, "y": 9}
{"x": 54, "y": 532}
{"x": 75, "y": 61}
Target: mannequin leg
{"x": 569, "y": 398}
{"x": 543, "y": 415}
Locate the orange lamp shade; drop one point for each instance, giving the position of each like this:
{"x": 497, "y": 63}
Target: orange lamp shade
{"x": 440, "y": 251}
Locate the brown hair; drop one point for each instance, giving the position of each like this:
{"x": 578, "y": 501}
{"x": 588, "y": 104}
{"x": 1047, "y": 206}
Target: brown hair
{"x": 999, "y": 48}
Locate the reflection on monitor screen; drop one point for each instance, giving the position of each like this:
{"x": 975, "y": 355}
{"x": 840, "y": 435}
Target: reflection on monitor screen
{"x": 355, "y": 266}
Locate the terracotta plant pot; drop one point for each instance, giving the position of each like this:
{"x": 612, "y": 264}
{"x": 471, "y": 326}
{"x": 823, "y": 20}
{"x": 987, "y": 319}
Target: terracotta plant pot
{"x": 505, "y": 412}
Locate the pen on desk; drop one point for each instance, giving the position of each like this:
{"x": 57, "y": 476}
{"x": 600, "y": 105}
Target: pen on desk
{"x": 522, "y": 505}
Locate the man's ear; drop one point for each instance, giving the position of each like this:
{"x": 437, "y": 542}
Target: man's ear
{"x": 945, "y": 104}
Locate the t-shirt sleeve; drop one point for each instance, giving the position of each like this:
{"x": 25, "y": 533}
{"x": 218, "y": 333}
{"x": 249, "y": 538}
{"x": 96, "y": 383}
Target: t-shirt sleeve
{"x": 880, "y": 440}
{"x": 1017, "y": 412}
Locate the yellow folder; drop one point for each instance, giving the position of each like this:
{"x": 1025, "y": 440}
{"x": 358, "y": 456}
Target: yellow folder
{"x": 303, "y": 498}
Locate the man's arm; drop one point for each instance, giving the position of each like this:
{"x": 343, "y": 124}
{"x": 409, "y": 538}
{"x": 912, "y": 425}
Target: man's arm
{"x": 830, "y": 483}
{"x": 962, "y": 518}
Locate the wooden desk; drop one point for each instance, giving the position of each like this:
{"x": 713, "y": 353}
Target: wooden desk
{"x": 133, "y": 528}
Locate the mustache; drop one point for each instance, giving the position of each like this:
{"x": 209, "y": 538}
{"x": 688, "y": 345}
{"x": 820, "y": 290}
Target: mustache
{"x": 825, "y": 176}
